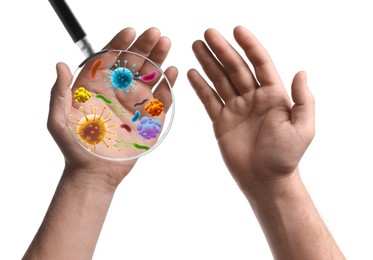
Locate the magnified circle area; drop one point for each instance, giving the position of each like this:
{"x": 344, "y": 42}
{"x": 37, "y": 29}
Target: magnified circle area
{"x": 121, "y": 105}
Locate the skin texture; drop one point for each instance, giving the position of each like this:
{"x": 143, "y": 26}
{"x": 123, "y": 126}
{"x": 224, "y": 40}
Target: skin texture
{"x": 73, "y": 222}
{"x": 262, "y": 135}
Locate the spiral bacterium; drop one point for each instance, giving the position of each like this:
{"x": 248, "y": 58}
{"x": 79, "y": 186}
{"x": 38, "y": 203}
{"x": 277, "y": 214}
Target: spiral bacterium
{"x": 121, "y": 78}
{"x": 140, "y": 103}
{"x": 92, "y": 129}
{"x": 149, "y": 127}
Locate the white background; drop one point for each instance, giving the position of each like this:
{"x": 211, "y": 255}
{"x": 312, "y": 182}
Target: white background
{"x": 179, "y": 202}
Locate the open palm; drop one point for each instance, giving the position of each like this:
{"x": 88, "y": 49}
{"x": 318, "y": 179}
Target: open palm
{"x": 113, "y": 108}
{"x": 260, "y": 133}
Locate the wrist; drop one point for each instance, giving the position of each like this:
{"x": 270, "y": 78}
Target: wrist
{"x": 98, "y": 172}
{"x": 89, "y": 181}
{"x": 290, "y": 221}
{"x": 287, "y": 187}
{"x": 74, "y": 219}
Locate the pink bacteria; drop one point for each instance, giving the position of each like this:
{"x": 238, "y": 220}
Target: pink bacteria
{"x": 149, "y": 77}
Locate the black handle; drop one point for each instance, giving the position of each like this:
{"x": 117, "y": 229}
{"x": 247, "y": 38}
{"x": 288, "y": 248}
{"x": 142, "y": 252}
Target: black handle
{"x": 68, "y": 19}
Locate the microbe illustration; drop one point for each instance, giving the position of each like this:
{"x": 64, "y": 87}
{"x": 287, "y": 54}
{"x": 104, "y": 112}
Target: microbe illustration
{"x": 105, "y": 99}
{"x": 82, "y": 95}
{"x": 121, "y": 144}
{"x": 136, "y": 116}
{"x": 92, "y": 129}
{"x": 127, "y": 127}
{"x": 141, "y": 147}
{"x": 140, "y": 103}
{"x": 154, "y": 107}
{"x": 118, "y": 110}
{"x": 121, "y": 78}
{"x": 149, "y": 127}
{"x": 96, "y": 66}
{"x": 149, "y": 77}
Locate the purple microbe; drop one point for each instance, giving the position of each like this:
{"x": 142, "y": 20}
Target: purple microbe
{"x": 149, "y": 127}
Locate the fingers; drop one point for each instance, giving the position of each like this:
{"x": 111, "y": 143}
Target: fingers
{"x": 162, "y": 92}
{"x": 149, "y": 44}
{"x": 303, "y": 111}
{"x": 122, "y": 40}
{"x": 158, "y": 56}
{"x": 214, "y": 71}
{"x": 56, "y": 116}
{"x": 265, "y": 70}
{"x": 146, "y": 41}
{"x": 234, "y": 65}
{"x": 159, "y": 53}
{"x": 144, "y": 45}
{"x": 209, "y": 98}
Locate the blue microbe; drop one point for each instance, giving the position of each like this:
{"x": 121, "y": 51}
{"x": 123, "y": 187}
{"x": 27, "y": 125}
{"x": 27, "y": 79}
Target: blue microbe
{"x": 136, "y": 116}
{"x": 121, "y": 78}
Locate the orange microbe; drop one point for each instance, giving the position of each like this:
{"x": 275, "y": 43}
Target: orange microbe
{"x": 92, "y": 129}
{"x": 154, "y": 107}
{"x": 95, "y": 67}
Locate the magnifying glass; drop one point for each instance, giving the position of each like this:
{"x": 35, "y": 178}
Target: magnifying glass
{"x": 120, "y": 105}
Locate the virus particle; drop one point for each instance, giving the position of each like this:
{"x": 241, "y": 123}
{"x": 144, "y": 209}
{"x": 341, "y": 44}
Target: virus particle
{"x": 105, "y": 99}
{"x": 118, "y": 110}
{"x": 136, "y": 116}
{"x": 96, "y": 66}
{"x": 140, "y": 103}
{"x": 121, "y": 144}
{"x": 149, "y": 127}
{"x": 92, "y": 129}
{"x": 82, "y": 95}
{"x": 149, "y": 77}
{"x": 127, "y": 127}
{"x": 121, "y": 78}
{"x": 154, "y": 108}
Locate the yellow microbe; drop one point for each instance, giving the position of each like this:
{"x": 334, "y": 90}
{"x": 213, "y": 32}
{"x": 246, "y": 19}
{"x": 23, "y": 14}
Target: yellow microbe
{"x": 154, "y": 107}
{"x": 92, "y": 129}
{"x": 82, "y": 95}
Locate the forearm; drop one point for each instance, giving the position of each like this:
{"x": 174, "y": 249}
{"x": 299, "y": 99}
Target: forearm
{"x": 74, "y": 220}
{"x": 290, "y": 221}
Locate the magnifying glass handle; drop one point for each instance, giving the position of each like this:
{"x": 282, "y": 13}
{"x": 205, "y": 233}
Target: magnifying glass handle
{"x": 72, "y": 26}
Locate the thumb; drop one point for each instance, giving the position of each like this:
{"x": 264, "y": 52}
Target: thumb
{"x": 303, "y": 111}
{"x": 58, "y": 96}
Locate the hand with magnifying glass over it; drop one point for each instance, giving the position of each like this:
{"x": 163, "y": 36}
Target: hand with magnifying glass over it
{"x": 73, "y": 222}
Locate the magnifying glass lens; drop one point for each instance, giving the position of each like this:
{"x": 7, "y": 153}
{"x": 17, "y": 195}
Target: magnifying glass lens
{"x": 120, "y": 105}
